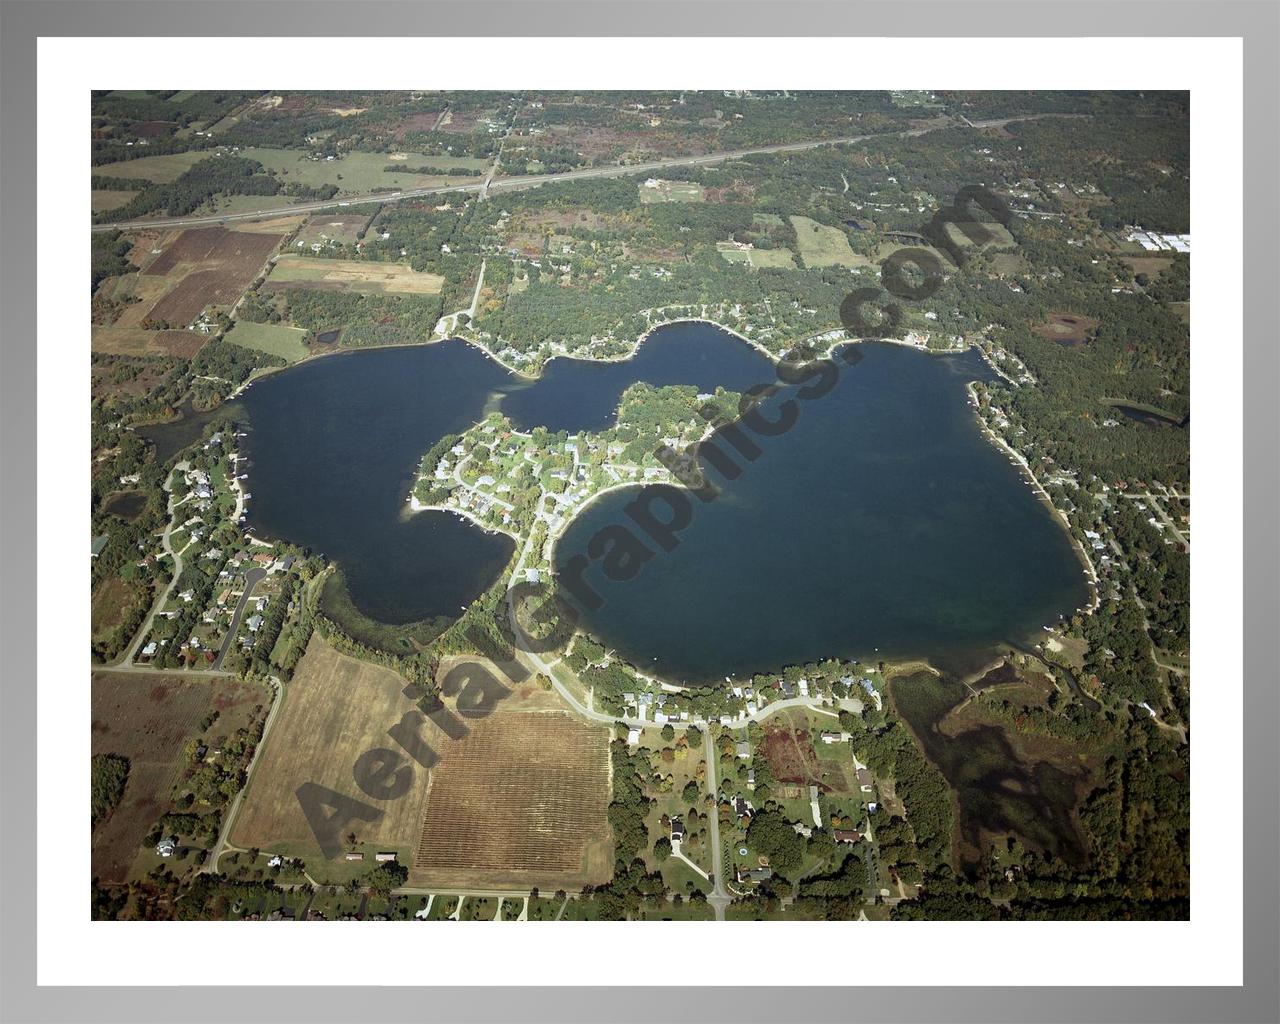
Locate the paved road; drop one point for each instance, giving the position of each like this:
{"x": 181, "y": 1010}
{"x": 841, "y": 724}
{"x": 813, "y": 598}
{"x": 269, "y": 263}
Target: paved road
{"x": 526, "y": 180}
{"x": 127, "y": 658}
{"x": 718, "y": 897}
{"x": 540, "y": 664}
{"x": 229, "y": 820}
{"x": 251, "y": 579}
{"x": 1156, "y": 503}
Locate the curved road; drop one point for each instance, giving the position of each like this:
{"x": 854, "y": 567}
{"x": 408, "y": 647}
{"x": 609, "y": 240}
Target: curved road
{"x": 126, "y": 659}
{"x": 251, "y": 579}
{"x": 228, "y": 822}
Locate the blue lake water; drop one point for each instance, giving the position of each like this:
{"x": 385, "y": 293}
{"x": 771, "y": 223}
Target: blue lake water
{"x": 882, "y": 519}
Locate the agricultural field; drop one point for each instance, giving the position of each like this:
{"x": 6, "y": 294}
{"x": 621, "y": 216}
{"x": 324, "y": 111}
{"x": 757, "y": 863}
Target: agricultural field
{"x": 335, "y": 708}
{"x": 359, "y": 172}
{"x": 274, "y": 339}
{"x": 822, "y": 246}
{"x": 137, "y": 341}
{"x": 519, "y": 801}
{"x": 149, "y": 719}
{"x": 125, "y": 300}
{"x": 343, "y": 228}
{"x": 160, "y": 169}
{"x": 205, "y": 267}
{"x": 364, "y": 277}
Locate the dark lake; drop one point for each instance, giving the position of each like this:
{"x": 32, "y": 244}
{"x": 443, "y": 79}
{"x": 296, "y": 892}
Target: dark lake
{"x": 171, "y": 437}
{"x": 1149, "y": 417}
{"x": 883, "y": 519}
{"x": 882, "y": 524}
{"x": 335, "y": 445}
{"x": 125, "y": 504}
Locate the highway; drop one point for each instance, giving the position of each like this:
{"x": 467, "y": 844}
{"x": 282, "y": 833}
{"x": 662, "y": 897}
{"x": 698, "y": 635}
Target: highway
{"x": 488, "y": 186}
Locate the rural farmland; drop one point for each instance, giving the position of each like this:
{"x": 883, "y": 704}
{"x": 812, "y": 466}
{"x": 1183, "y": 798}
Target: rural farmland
{"x": 335, "y": 708}
{"x": 363, "y": 277}
{"x": 149, "y": 720}
{"x": 205, "y": 267}
{"x": 519, "y": 801}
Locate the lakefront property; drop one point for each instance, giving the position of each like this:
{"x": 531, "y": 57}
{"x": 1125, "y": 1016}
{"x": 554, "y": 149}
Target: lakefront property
{"x": 795, "y": 534}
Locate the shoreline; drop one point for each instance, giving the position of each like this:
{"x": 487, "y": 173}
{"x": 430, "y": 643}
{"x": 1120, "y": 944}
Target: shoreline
{"x": 1043, "y": 495}
{"x": 630, "y": 354}
{"x": 415, "y": 506}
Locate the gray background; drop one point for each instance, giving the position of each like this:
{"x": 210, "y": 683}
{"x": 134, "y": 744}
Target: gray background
{"x": 1258, "y": 22}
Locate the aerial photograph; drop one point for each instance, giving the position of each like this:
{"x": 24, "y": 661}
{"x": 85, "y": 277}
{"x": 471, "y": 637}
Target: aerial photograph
{"x": 640, "y": 505}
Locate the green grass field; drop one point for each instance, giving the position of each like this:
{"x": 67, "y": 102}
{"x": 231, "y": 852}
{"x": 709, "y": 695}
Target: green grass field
{"x": 822, "y": 246}
{"x": 101, "y": 200}
{"x": 274, "y": 339}
{"x": 671, "y": 192}
{"x": 246, "y": 204}
{"x": 782, "y": 258}
{"x": 160, "y": 169}
{"x": 1000, "y": 238}
{"x": 361, "y": 172}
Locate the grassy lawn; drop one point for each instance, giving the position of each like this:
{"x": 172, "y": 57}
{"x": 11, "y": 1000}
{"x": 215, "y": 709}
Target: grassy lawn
{"x": 544, "y": 908}
{"x": 683, "y": 911}
{"x": 274, "y": 339}
{"x": 732, "y": 254}
{"x": 335, "y": 904}
{"x": 479, "y": 908}
{"x": 679, "y": 876}
{"x": 581, "y": 910}
{"x": 442, "y": 907}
